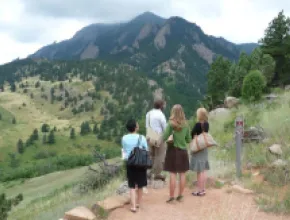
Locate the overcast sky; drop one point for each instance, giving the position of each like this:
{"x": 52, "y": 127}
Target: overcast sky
{"x": 27, "y": 25}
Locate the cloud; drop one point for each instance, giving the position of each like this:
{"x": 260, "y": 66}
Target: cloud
{"x": 26, "y": 25}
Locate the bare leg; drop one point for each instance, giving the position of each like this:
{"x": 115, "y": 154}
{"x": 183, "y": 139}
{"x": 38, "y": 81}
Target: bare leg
{"x": 133, "y": 199}
{"x": 199, "y": 179}
{"x": 139, "y": 196}
{"x": 172, "y": 184}
{"x": 203, "y": 180}
{"x": 182, "y": 182}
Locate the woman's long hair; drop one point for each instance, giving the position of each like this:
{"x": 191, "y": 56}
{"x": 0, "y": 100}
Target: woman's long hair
{"x": 177, "y": 117}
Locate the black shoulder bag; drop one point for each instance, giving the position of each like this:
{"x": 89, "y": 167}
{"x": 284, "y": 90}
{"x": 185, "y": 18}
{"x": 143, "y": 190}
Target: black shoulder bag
{"x": 139, "y": 157}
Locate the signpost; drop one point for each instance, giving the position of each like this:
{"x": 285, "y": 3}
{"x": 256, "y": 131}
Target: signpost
{"x": 239, "y": 131}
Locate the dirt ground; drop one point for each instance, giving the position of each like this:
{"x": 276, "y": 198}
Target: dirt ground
{"x": 218, "y": 204}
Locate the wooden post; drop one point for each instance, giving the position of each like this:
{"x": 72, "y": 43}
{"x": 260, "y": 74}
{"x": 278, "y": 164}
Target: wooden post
{"x": 239, "y": 131}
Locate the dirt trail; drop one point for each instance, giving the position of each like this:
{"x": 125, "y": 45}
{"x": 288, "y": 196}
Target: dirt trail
{"x": 216, "y": 205}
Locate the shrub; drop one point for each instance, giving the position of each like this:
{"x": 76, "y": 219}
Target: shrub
{"x": 253, "y": 86}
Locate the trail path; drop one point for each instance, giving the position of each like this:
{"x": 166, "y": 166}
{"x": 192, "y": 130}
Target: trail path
{"x": 216, "y": 205}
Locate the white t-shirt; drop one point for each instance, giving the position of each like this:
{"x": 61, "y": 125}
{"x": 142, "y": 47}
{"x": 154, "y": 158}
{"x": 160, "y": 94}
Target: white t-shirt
{"x": 157, "y": 120}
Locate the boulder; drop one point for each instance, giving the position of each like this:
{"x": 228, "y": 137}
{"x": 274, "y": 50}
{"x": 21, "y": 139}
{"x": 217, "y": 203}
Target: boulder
{"x": 80, "y": 213}
{"x": 240, "y": 189}
{"x": 287, "y": 88}
{"x": 276, "y": 149}
{"x": 279, "y": 163}
{"x": 220, "y": 112}
{"x": 114, "y": 202}
{"x": 123, "y": 188}
{"x": 271, "y": 97}
{"x": 231, "y": 102}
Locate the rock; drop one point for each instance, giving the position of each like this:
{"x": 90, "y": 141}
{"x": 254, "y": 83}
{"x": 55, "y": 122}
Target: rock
{"x": 231, "y": 102}
{"x": 114, "y": 202}
{"x": 220, "y": 112}
{"x": 80, "y": 213}
{"x": 249, "y": 166}
{"x": 287, "y": 88}
{"x": 123, "y": 189}
{"x": 276, "y": 149}
{"x": 158, "y": 184}
{"x": 240, "y": 189}
{"x": 271, "y": 97}
{"x": 279, "y": 163}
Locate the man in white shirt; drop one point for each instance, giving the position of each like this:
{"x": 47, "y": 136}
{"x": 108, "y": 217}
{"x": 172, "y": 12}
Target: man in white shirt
{"x": 156, "y": 122}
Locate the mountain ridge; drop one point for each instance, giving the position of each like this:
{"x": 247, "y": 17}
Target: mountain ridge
{"x": 174, "y": 52}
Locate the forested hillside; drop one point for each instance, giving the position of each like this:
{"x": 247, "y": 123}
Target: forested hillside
{"x": 55, "y": 113}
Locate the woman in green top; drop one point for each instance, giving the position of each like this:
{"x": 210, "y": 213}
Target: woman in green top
{"x": 176, "y": 160}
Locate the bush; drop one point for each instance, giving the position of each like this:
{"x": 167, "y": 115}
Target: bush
{"x": 253, "y": 86}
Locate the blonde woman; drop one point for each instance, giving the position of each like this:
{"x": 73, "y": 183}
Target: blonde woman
{"x": 176, "y": 160}
{"x": 199, "y": 160}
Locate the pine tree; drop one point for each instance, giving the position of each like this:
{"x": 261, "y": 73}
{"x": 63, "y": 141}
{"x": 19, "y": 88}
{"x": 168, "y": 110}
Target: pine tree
{"x": 72, "y": 134}
{"x": 51, "y": 139}
{"x": 35, "y": 135}
{"x": 44, "y": 139}
{"x": 37, "y": 84}
{"x": 12, "y": 87}
{"x": 14, "y": 121}
{"x": 54, "y": 129}
{"x": 275, "y": 44}
{"x": 45, "y": 128}
{"x": 95, "y": 129}
{"x": 0, "y": 116}
{"x": 20, "y": 146}
{"x": 218, "y": 79}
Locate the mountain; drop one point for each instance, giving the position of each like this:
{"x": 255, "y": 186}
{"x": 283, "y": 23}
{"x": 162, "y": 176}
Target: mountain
{"x": 173, "y": 52}
{"x": 248, "y": 47}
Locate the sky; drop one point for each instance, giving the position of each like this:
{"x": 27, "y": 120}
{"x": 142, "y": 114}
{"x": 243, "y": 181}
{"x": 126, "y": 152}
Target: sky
{"x": 27, "y": 25}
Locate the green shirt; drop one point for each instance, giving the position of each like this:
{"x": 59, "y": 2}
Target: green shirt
{"x": 180, "y": 138}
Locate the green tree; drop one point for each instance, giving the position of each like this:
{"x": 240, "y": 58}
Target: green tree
{"x": 255, "y": 59}
{"x": 267, "y": 67}
{"x": 275, "y": 44}
{"x": 95, "y": 129}
{"x": 0, "y": 116}
{"x": 244, "y": 61}
{"x": 45, "y": 128}
{"x": 253, "y": 86}
{"x": 72, "y": 133}
{"x": 5, "y": 207}
{"x": 37, "y": 84}
{"x": 237, "y": 74}
{"x": 35, "y": 135}
{"x": 44, "y": 139}
{"x": 14, "y": 120}
{"x": 12, "y": 87}
{"x": 51, "y": 139}
{"x": 218, "y": 79}
{"x": 20, "y": 146}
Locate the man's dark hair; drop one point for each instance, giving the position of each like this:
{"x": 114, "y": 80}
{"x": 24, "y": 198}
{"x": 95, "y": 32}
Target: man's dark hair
{"x": 131, "y": 125}
{"x": 159, "y": 104}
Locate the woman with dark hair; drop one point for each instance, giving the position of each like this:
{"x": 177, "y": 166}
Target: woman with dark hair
{"x": 137, "y": 178}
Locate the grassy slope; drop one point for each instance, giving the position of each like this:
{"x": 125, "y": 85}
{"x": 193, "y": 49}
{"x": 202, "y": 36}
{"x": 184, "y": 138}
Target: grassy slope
{"x": 38, "y": 111}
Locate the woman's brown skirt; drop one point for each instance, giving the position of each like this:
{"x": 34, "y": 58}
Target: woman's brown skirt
{"x": 176, "y": 160}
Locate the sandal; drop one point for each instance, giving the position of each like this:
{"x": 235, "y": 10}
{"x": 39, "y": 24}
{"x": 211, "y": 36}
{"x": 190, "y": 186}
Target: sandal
{"x": 199, "y": 193}
{"x": 170, "y": 200}
{"x": 133, "y": 210}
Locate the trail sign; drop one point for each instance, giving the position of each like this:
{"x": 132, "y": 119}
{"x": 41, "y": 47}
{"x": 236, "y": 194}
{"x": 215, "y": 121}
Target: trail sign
{"x": 239, "y": 132}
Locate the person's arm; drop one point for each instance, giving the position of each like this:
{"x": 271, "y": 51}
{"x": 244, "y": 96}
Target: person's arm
{"x": 187, "y": 135}
{"x": 194, "y": 131}
{"x": 144, "y": 143}
{"x": 147, "y": 120}
{"x": 163, "y": 122}
{"x": 167, "y": 133}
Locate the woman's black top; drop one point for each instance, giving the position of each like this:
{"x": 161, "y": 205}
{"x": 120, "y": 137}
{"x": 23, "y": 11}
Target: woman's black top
{"x": 199, "y": 127}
